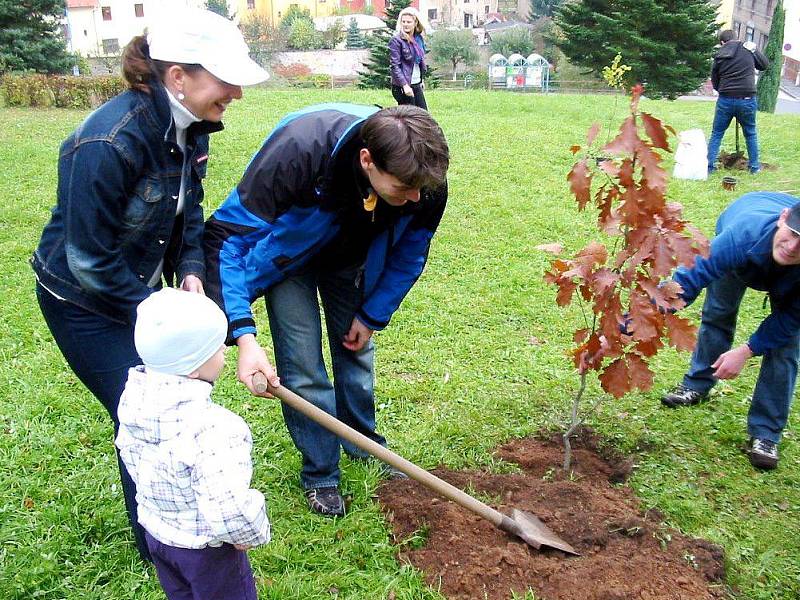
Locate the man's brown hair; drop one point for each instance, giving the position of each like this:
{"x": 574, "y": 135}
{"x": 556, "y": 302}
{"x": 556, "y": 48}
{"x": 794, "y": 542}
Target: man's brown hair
{"x": 407, "y": 143}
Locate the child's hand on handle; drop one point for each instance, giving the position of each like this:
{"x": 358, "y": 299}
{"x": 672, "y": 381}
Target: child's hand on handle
{"x": 253, "y": 360}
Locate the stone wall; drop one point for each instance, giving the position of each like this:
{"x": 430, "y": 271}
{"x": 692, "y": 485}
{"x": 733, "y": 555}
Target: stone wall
{"x": 336, "y": 63}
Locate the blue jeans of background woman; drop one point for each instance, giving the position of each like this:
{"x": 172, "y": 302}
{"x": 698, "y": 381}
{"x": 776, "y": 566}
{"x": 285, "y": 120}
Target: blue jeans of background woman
{"x": 100, "y": 352}
{"x": 296, "y": 328}
{"x": 418, "y": 99}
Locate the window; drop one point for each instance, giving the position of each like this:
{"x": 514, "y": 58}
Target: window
{"x": 106, "y": 10}
{"x": 737, "y": 29}
{"x": 467, "y": 20}
{"x": 111, "y": 46}
{"x": 251, "y": 4}
{"x": 431, "y": 14}
{"x": 139, "y": 10}
{"x": 749, "y": 34}
{"x": 486, "y": 9}
{"x": 752, "y": 4}
{"x": 764, "y": 40}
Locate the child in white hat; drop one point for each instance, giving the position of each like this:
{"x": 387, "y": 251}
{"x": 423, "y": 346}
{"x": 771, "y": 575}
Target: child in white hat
{"x": 190, "y": 458}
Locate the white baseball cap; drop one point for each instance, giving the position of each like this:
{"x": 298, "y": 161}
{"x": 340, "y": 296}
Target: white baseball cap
{"x": 195, "y": 36}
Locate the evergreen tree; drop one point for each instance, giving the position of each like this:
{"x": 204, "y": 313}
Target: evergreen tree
{"x": 542, "y": 8}
{"x": 377, "y": 73}
{"x": 220, "y": 7}
{"x": 31, "y": 38}
{"x": 668, "y": 45}
{"x": 354, "y": 38}
{"x": 769, "y": 81}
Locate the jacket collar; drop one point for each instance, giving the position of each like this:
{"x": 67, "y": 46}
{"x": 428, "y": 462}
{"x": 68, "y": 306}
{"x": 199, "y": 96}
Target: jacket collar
{"x": 163, "y": 115}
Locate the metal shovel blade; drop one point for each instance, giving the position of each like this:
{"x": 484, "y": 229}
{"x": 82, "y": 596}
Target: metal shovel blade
{"x": 537, "y": 534}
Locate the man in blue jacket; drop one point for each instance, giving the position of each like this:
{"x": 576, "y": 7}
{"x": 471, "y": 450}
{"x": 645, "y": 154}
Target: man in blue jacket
{"x": 757, "y": 246}
{"x": 340, "y": 203}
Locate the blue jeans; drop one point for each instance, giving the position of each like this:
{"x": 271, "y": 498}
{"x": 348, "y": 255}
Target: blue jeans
{"x": 744, "y": 109}
{"x": 772, "y": 397}
{"x": 296, "y": 328}
{"x": 100, "y": 352}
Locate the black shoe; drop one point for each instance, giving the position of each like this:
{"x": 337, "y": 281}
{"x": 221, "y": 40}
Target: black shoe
{"x": 763, "y": 453}
{"x": 326, "y": 501}
{"x": 682, "y": 396}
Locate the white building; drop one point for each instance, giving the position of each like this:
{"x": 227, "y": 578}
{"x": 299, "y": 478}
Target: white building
{"x": 103, "y": 27}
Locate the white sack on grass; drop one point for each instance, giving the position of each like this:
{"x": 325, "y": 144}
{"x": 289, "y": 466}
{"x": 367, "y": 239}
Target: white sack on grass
{"x": 691, "y": 161}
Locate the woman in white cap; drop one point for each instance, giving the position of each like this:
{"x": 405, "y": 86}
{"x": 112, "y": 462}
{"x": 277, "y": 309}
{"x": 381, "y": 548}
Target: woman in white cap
{"x": 130, "y": 188}
{"x": 407, "y": 59}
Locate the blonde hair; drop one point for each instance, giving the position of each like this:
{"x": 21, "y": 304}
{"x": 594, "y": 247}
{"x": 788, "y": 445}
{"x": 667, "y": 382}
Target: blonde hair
{"x": 420, "y": 28}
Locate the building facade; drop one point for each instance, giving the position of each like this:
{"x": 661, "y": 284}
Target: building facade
{"x": 275, "y": 10}
{"x": 103, "y": 27}
{"x": 751, "y": 21}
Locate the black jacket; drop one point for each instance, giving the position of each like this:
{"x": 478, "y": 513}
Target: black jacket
{"x": 733, "y": 71}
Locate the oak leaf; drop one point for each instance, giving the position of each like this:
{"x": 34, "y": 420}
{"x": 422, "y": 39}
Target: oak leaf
{"x": 552, "y": 248}
{"x": 615, "y": 378}
{"x": 681, "y": 332}
{"x": 627, "y": 140}
{"x": 655, "y": 131}
{"x": 593, "y": 130}
{"x": 580, "y": 182}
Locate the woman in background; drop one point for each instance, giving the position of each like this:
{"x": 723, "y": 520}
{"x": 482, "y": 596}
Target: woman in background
{"x": 129, "y": 200}
{"x": 407, "y": 59}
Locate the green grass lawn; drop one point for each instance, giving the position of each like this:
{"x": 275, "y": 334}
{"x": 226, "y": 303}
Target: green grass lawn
{"x": 475, "y": 356}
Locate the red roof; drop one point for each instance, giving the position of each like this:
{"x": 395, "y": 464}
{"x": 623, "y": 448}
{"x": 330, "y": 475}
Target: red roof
{"x": 82, "y": 3}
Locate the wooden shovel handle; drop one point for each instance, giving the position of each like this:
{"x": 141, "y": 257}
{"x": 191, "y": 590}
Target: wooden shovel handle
{"x": 261, "y": 385}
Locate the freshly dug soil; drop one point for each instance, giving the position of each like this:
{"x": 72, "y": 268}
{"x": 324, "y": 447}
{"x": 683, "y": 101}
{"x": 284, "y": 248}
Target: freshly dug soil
{"x": 625, "y": 554}
{"x": 738, "y": 162}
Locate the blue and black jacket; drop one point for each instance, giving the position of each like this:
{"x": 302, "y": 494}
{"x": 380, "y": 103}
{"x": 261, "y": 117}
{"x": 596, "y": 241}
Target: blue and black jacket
{"x": 743, "y": 248}
{"x": 300, "y": 204}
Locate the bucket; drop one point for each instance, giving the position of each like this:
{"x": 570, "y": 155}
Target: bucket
{"x": 728, "y": 183}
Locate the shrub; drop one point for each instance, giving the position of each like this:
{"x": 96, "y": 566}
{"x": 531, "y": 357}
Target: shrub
{"x": 291, "y": 71}
{"x": 61, "y": 91}
{"x": 303, "y": 36}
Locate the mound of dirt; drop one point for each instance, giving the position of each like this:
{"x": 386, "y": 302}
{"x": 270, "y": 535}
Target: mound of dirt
{"x": 625, "y": 553}
{"x": 738, "y": 162}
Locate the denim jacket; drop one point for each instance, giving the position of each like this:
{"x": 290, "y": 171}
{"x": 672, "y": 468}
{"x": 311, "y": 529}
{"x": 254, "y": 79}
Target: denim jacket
{"x": 119, "y": 176}
{"x": 401, "y": 60}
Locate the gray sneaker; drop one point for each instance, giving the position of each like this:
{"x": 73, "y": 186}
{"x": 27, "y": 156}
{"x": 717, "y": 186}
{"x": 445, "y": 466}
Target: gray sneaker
{"x": 326, "y": 501}
{"x": 682, "y": 396}
{"x": 763, "y": 453}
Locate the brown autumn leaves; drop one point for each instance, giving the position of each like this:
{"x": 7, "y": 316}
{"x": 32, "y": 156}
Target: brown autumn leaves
{"x": 633, "y": 302}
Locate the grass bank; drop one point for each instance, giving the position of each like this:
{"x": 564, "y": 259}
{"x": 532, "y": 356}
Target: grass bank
{"x": 474, "y": 357}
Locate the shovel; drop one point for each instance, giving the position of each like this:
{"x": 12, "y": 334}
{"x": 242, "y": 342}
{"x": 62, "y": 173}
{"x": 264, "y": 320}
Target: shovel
{"x": 522, "y": 524}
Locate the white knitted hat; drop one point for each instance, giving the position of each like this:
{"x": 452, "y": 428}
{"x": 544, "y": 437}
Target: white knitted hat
{"x": 177, "y": 331}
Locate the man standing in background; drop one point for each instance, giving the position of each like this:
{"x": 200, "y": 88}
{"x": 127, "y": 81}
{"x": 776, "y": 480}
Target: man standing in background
{"x": 733, "y": 76}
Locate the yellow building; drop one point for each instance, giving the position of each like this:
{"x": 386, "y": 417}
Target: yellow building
{"x": 274, "y": 10}
{"x": 725, "y": 14}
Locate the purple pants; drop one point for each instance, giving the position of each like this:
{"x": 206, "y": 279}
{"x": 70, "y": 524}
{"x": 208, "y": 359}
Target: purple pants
{"x": 221, "y": 573}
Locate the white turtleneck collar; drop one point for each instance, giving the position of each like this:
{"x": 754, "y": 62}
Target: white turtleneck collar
{"x": 183, "y": 117}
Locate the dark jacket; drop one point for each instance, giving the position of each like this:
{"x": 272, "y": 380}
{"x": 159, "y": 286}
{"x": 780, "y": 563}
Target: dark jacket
{"x": 300, "y": 203}
{"x": 733, "y": 70}
{"x": 119, "y": 175}
{"x": 743, "y": 248}
{"x": 402, "y": 56}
